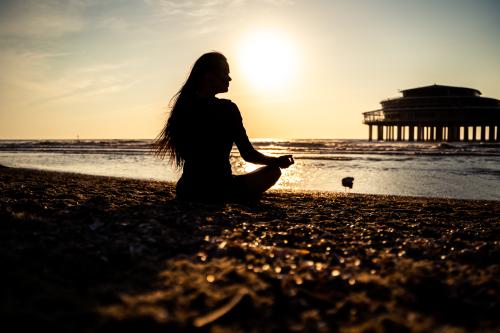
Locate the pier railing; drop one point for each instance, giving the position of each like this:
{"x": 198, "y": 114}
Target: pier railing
{"x": 373, "y": 116}
{"x": 435, "y": 115}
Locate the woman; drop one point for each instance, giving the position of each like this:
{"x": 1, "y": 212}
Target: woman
{"x": 199, "y": 136}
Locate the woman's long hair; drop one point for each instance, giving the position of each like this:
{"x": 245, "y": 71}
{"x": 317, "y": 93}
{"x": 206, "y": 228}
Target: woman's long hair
{"x": 168, "y": 142}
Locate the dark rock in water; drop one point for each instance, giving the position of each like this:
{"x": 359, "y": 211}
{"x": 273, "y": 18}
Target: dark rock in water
{"x": 347, "y": 182}
{"x": 444, "y": 145}
{"x": 3, "y": 167}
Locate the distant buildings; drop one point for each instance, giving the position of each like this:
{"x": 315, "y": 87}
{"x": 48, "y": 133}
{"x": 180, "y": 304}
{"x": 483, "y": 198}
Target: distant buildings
{"x": 436, "y": 113}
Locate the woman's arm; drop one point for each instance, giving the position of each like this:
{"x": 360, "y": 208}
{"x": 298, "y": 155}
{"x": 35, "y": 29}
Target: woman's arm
{"x": 283, "y": 161}
{"x": 250, "y": 154}
{"x": 253, "y": 156}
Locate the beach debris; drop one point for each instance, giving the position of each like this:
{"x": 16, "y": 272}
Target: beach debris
{"x": 136, "y": 249}
{"x": 217, "y": 313}
{"x": 96, "y": 225}
{"x": 347, "y": 182}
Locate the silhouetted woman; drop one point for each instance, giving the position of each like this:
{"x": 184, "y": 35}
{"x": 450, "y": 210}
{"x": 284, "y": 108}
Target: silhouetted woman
{"x": 199, "y": 136}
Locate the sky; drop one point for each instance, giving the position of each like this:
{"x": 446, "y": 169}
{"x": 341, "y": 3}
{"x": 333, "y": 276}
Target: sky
{"x": 301, "y": 69}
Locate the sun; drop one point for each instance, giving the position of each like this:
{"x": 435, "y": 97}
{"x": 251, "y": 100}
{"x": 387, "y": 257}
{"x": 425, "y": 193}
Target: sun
{"x": 267, "y": 59}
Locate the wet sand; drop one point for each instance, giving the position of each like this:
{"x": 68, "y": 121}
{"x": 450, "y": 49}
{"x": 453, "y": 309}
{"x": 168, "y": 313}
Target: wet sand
{"x": 97, "y": 254}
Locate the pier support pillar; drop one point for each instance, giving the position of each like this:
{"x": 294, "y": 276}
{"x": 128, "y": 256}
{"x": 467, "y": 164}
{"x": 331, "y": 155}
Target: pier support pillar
{"x": 411, "y": 133}
{"x": 498, "y": 133}
{"x": 451, "y": 133}
{"x": 483, "y": 133}
{"x": 439, "y": 133}
{"x": 466, "y": 133}
{"x": 399, "y": 133}
{"x": 419, "y": 133}
{"x": 369, "y": 132}
{"x": 380, "y": 132}
{"x": 491, "y": 134}
{"x": 474, "y": 133}
{"x": 456, "y": 133}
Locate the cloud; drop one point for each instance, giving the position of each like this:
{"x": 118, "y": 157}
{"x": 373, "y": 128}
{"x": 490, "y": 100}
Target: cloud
{"x": 29, "y": 78}
{"x": 208, "y": 12}
{"x": 40, "y": 19}
{"x": 205, "y": 16}
{"x": 194, "y": 9}
{"x": 113, "y": 24}
{"x": 101, "y": 84}
{"x": 93, "y": 80}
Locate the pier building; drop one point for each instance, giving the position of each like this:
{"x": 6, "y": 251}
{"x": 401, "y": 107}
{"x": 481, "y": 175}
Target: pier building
{"x": 436, "y": 113}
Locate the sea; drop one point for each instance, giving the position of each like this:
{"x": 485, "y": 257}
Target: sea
{"x": 427, "y": 169}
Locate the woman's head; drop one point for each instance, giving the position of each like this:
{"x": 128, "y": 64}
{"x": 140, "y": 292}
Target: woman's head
{"x": 209, "y": 76}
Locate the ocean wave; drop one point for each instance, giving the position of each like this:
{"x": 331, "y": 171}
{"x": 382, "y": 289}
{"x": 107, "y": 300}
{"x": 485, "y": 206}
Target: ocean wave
{"x": 307, "y": 149}
{"x": 484, "y": 171}
{"x": 456, "y": 169}
{"x": 73, "y": 145}
{"x": 324, "y": 158}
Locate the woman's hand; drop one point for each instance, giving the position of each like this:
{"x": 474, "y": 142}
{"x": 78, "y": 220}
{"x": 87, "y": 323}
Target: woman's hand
{"x": 284, "y": 161}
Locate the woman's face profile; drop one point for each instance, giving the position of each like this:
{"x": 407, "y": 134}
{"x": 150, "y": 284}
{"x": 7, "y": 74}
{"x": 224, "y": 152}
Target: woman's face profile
{"x": 219, "y": 78}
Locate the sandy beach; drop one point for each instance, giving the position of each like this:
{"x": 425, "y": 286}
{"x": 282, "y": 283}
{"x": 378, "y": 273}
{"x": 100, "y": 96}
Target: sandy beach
{"x": 100, "y": 254}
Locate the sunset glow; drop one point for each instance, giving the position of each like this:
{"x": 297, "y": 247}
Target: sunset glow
{"x": 267, "y": 59}
{"x": 299, "y": 69}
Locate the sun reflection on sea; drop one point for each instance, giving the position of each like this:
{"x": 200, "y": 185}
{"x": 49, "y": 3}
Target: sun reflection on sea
{"x": 290, "y": 177}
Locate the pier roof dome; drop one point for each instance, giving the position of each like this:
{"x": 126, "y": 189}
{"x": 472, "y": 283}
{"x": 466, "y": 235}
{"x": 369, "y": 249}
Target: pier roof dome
{"x": 440, "y": 90}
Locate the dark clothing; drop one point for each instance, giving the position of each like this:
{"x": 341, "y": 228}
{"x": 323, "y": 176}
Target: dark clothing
{"x": 215, "y": 124}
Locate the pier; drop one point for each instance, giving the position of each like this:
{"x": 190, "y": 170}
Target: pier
{"x": 436, "y": 113}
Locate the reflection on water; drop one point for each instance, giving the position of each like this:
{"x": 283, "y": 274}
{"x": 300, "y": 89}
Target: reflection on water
{"x": 433, "y": 176}
{"x": 463, "y": 171}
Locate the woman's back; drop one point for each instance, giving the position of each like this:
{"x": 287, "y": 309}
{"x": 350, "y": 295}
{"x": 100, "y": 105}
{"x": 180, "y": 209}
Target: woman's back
{"x": 206, "y": 144}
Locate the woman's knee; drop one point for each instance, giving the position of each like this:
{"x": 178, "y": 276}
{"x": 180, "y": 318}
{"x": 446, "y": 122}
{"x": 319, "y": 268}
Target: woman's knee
{"x": 261, "y": 179}
{"x": 274, "y": 171}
